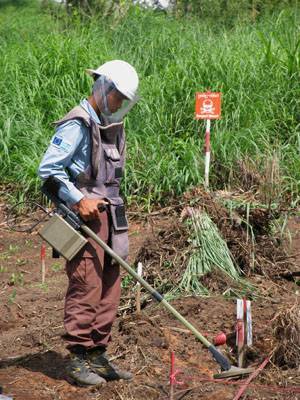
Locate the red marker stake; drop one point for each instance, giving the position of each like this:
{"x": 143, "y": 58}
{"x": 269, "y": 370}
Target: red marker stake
{"x": 173, "y": 373}
{"x": 172, "y": 376}
{"x": 43, "y": 257}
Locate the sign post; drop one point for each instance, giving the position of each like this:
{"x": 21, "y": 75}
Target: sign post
{"x": 207, "y": 153}
{"x": 208, "y": 107}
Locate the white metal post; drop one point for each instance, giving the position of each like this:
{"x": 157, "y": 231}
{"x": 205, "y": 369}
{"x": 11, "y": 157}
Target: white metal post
{"x": 138, "y": 289}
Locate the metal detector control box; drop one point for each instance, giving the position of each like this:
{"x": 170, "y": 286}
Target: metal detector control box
{"x": 62, "y": 237}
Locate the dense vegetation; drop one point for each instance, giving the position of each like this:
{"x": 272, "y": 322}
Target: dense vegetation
{"x": 253, "y": 61}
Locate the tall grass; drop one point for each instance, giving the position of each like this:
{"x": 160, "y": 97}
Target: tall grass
{"x": 254, "y": 65}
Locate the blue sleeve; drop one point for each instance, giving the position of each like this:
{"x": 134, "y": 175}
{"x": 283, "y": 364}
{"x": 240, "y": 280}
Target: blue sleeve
{"x": 63, "y": 146}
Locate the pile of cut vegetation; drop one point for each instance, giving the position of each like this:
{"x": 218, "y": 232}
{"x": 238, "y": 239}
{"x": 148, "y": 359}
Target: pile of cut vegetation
{"x": 286, "y": 331}
{"x": 209, "y": 247}
{"x": 247, "y": 227}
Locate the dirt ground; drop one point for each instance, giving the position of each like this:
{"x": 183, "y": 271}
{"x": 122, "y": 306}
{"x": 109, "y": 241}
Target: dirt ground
{"x": 33, "y": 358}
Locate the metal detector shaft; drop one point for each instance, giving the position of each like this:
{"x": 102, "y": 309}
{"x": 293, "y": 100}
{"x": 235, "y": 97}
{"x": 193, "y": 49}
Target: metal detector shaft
{"x": 50, "y": 188}
{"x": 224, "y": 363}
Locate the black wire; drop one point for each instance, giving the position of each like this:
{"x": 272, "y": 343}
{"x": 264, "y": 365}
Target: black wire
{"x": 12, "y": 216}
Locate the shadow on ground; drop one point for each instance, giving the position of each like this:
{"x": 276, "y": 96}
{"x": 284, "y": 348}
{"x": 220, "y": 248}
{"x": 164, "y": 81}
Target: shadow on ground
{"x": 50, "y": 363}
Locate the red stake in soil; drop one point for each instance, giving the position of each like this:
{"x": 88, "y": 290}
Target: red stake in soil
{"x": 251, "y": 377}
{"x": 173, "y": 373}
{"x": 43, "y": 257}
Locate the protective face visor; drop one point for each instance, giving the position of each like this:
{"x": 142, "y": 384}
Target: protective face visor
{"x": 101, "y": 89}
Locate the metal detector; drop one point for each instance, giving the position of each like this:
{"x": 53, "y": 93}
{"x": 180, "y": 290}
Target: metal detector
{"x": 65, "y": 221}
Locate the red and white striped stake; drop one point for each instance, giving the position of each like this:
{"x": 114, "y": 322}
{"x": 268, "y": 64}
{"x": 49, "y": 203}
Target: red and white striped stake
{"x": 207, "y": 153}
{"x": 43, "y": 258}
{"x": 243, "y": 328}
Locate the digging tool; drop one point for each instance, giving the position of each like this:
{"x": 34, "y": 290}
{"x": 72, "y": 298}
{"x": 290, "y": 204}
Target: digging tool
{"x": 76, "y": 242}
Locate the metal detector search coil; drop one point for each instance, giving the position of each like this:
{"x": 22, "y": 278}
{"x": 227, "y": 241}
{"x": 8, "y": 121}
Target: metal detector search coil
{"x": 62, "y": 237}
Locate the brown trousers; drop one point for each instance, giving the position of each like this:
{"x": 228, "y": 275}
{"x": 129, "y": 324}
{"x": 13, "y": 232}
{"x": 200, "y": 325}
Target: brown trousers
{"x": 93, "y": 294}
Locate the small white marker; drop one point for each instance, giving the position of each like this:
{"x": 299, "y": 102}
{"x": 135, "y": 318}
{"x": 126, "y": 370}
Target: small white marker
{"x": 138, "y": 289}
{"x": 249, "y": 324}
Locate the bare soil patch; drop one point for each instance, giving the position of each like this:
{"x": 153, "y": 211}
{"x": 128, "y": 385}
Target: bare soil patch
{"x": 33, "y": 357}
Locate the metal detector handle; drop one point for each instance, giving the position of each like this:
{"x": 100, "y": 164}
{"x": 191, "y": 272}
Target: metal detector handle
{"x": 50, "y": 189}
{"x": 74, "y": 220}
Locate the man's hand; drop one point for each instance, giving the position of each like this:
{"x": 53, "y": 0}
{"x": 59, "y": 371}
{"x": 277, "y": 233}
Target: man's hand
{"x": 88, "y": 208}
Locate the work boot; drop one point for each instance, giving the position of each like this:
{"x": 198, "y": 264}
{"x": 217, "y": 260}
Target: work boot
{"x": 80, "y": 371}
{"x": 99, "y": 363}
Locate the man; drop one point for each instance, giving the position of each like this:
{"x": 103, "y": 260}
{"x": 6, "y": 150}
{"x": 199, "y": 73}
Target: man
{"x": 86, "y": 156}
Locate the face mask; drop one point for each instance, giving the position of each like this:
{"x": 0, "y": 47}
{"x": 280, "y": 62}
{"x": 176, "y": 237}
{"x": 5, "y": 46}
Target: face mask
{"x": 102, "y": 87}
{"x": 127, "y": 105}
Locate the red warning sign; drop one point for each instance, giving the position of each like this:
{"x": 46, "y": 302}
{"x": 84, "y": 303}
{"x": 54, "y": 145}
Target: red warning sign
{"x": 208, "y": 105}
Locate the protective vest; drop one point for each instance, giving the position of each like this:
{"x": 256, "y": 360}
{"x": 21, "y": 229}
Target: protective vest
{"x": 102, "y": 177}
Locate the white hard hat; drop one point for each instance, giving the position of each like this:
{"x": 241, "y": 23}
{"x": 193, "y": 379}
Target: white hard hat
{"x": 122, "y": 74}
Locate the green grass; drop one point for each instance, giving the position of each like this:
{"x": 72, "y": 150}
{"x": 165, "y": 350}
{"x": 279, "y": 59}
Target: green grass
{"x": 254, "y": 65}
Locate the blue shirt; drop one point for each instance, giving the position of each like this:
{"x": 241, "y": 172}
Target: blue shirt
{"x": 68, "y": 155}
